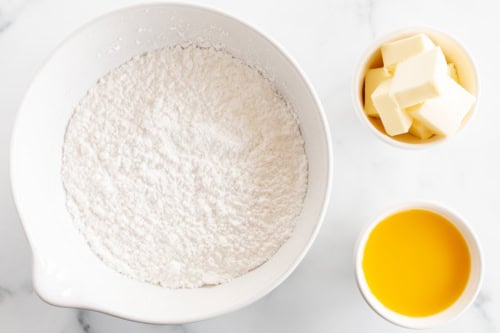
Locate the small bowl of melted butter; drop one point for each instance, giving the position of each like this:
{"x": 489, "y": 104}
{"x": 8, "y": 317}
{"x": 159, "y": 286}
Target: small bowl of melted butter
{"x": 418, "y": 265}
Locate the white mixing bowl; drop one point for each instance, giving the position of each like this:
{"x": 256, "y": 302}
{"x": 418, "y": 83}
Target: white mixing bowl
{"x": 66, "y": 272}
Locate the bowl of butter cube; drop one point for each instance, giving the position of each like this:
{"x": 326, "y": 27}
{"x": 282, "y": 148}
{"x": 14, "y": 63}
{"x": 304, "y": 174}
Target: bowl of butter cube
{"x": 415, "y": 88}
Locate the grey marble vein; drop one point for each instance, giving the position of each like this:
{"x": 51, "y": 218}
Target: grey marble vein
{"x": 81, "y": 316}
{"x": 369, "y": 16}
{"x": 4, "y": 293}
{"x": 365, "y": 12}
{"x": 4, "y": 21}
{"x": 177, "y": 329}
{"x": 4, "y": 24}
{"x": 96, "y": 322}
{"x": 480, "y": 304}
{"x": 9, "y": 10}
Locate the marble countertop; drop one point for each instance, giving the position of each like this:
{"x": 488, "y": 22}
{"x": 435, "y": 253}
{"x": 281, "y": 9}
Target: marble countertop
{"x": 326, "y": 38}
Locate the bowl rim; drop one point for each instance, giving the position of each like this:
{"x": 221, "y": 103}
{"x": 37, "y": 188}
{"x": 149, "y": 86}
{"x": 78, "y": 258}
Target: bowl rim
{"x": 428, "y": 321}
{"x": 373, "y": 47}
{"x": 209, "y": 314}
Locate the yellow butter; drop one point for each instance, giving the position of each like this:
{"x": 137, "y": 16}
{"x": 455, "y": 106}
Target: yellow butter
{"x": 452, "y": 72}
{"x": 416, "y": 263}
{"x": 395, "y": 52}
{"x": 395, "y": 120}
{"x": 443, "y": 115}
{"x": 419, "y": 130}
{"x": 417, "y": 79}
{"x": 372, "y": 79}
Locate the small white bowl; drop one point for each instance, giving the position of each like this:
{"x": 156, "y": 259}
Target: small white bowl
{"x": 466, "y": 298}
{"x": 65, "y": 271}
{"x": 371, "y": 58}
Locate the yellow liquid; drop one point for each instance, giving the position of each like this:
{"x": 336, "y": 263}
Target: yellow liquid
{"x": 416, "y": 263}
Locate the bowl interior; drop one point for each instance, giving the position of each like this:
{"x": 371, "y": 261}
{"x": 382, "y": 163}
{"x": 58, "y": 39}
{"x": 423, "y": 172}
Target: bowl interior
{"x": 454, "y": 53}
{"x": 461, "y": 304}
{"x": 66, "y": 272}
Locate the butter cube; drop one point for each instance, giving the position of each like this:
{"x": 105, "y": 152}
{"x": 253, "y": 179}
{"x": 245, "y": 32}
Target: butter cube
{"x": 443, "y": 115}
{"x": 417, "y": 78}
{"x": 419, "y": 130}
{"x": 372, "y": 79}
{"x": 395, "y": 52}
{"x": 452, "y": 72}
{"x": 395, "y": 120}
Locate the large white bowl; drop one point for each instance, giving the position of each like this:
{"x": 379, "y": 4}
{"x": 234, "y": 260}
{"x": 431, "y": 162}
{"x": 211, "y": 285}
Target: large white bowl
{"x": 66, "y": 272}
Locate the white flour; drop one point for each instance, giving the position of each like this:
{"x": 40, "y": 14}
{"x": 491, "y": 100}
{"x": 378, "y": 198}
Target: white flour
{"x": 184, "y": 167}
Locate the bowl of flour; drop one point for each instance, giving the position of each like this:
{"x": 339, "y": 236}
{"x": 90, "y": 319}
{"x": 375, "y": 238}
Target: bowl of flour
{"x": 169, "y": 164}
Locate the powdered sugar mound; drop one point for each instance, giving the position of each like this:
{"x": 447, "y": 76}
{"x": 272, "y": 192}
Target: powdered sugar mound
{"x": 184, "y": 167}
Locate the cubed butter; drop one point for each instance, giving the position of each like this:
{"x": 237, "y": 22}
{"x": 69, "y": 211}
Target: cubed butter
{"x": 452, "y": 72}
{"x": 443, "y": 115}
{"x": 417, "y": 78}
{"x": 372, "y": 79}
{"x": 419, "y": 130}
{"x": 395, "y": 52}
{"x": 395, "y": 120}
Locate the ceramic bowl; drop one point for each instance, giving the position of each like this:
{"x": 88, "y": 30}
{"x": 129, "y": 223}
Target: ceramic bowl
{"x": 65, "y": 271}
{"x": 372, "y": 58}
{"x": 461, "y": 304}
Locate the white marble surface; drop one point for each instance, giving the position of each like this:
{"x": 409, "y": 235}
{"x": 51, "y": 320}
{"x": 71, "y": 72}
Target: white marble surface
{"x": 326, "y": 38}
